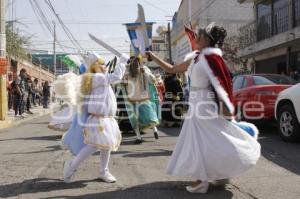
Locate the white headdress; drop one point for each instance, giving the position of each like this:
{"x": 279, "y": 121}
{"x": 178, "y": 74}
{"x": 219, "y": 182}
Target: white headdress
{"x": 91, "y": 57}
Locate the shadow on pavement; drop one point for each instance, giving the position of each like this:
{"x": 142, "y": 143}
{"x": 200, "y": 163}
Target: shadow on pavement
{"x": 158, "y": 190}
{"x": 173, "y": 132}
{"x": 284, "y": 154}
{"x": 38, "y": 185}
{"x": 51, "y": 149}
{"x": 30, "y": 123}
{"x": 41, "y": 138}
{"x": 143, "y": 154}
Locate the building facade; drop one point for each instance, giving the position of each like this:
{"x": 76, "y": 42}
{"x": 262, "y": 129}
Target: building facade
{"x": 272, "y": 40}
{"x": 230, "y": 14}
{"x": 46, "y": 60}
{"x": 34, "y": 71}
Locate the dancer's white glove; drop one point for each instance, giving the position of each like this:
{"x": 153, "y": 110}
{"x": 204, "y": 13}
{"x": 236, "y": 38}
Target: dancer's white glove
{"x": 124, "y": 58}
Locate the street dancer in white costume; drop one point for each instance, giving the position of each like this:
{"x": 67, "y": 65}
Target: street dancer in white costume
{"x": 210, "y": 146}
{"x": 101, "y": 130}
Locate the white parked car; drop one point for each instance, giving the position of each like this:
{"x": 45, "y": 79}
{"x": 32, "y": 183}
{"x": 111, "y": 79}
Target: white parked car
{"x": 287, "y": 113}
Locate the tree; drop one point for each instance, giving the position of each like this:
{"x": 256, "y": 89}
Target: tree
{"x": 230, "y": 48}
{"x": 15, "y": 43}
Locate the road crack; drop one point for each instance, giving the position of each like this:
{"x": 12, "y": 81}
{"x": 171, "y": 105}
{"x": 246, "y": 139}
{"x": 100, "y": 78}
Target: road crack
{"x": 244, "y": 192}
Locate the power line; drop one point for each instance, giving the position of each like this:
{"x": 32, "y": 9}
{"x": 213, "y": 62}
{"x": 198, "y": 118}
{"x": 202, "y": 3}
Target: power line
{"x": 76, "y": 22}
{"x": 155, "y": 6}
{"x": 205, "y": 8}
{"x": 65, "y": 28}
{"x": 38, "y": 18}
{"x": 85, "y": 40}
{"x": 42, "y": 17}
{"x": 102, "y": 52}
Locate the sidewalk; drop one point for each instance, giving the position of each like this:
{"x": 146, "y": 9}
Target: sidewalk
{"x": 13, "y": 121}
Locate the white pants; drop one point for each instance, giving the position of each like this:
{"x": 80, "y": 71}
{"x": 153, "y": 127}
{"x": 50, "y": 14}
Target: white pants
{"x": 88, "y": 151}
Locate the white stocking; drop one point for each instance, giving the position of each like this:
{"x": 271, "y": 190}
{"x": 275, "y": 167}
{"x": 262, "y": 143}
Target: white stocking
{"x": 83, "y": 155}
{"x": 104, "y": 160}
{"x": 138, "y": 133}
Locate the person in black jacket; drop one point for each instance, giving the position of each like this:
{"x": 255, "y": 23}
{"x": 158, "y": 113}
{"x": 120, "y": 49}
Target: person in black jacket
{"x": 20, "y": 93}
{"x": 30, "y": 93}
{"x": 46, "y": 94}
{"x": 173, "y": 95}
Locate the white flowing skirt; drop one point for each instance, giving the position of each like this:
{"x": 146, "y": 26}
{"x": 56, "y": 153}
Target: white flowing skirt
{"x": 211, "y": 148}
{"x": 102, "y": 133}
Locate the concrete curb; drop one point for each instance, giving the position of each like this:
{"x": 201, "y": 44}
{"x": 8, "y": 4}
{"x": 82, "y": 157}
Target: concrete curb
{"x": 5, "y": 124}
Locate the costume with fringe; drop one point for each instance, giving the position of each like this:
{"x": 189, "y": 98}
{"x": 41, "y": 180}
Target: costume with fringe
{"x": 141, "y": 100}
{"x": 210, "y": 147}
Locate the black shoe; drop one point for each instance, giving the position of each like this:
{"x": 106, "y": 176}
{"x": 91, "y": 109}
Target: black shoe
{"x": 138, "y": 141}
{"x": 156, "y": 135}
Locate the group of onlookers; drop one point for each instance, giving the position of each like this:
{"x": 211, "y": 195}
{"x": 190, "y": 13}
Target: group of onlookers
{"x": 24, "y": 93}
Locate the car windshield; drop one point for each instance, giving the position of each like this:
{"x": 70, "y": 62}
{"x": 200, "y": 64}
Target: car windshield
{"x": 280, "y": 79}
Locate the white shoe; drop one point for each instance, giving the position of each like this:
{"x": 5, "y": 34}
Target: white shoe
{"x": 68, "y": 171}
{"x": 107, "y": 177}
{"x": 201, "y": 188}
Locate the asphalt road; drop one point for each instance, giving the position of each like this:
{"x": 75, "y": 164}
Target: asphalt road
{"x": 31, "y": 162}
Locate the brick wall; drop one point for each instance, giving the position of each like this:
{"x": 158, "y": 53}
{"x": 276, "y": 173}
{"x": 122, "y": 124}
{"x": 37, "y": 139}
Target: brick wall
{"x": 33, "y": 70}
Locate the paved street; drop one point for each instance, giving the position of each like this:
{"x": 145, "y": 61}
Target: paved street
{"x": 31, "y": 167}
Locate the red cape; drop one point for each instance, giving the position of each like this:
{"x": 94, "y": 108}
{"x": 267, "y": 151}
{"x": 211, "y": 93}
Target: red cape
{"x": 222, "y": 73}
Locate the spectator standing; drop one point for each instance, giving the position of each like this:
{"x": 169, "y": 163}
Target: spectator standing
{"x": 20, "y": 93}
{"x": 46, "y": 94}
{"x": 35, "y": 89}
{"x": 9, "y": 92}
{"x": 30, "y": 92}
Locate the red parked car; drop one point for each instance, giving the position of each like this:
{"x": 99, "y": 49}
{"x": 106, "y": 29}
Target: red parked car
{"x": 256, "y": 94}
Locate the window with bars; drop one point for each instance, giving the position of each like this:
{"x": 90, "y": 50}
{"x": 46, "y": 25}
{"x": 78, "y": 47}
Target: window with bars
{"x": 297, "y": 12}
{"x": 272, "y": 18}
{"x": 264, "y": 20}
{"x": 280, "y": 16}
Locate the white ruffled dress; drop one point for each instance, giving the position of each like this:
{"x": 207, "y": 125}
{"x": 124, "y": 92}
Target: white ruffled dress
{"x": 210, "y": 148}
{"x": 101, "y": 129}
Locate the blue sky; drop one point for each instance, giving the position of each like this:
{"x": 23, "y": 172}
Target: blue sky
{"x": 103, "y": 18}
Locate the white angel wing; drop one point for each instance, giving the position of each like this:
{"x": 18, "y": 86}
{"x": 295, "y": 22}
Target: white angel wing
{"x": 66, "y": 87}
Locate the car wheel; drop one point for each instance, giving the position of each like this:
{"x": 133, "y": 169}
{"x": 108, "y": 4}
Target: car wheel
{"x": 288, "y": 125}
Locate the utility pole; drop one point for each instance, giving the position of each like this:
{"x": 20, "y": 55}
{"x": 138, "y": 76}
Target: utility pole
{"x": 169, "y": 41}
{"x": 190, "y": 11}
{"x": 3, "y": 63}
{"x": 54, "y": 49}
